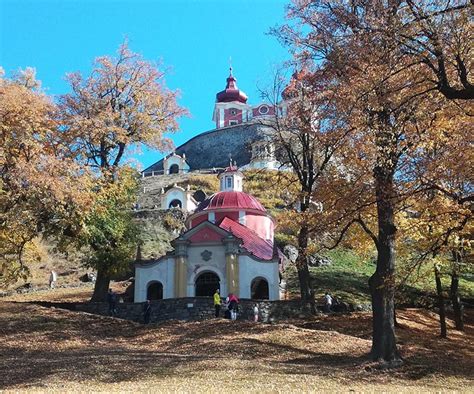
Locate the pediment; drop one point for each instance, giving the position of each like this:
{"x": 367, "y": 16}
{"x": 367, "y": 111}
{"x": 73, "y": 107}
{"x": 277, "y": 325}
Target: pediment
{"x": 205, "y": 232}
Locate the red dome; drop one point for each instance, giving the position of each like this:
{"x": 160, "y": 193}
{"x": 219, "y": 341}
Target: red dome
{"x": 229, "y": 200}
{"x": 231, "y": 92}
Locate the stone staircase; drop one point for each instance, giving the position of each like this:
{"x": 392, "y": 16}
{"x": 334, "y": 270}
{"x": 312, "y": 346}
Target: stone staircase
{"x": 150, "y": 188}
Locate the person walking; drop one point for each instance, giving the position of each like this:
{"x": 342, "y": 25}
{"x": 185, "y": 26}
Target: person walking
{"x": 327, "y": 303}
{"x": 217, "y": 302}
{"x": 255, "y": 313}
{"x": 112, "y": 300}
{"x": 233, "y": 306}
{"x": 53, "y": 277}
{"x": 147, "y": 311}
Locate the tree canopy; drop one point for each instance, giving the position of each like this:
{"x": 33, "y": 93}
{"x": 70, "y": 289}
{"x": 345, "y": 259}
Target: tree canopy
{"x": 390, "y": 116}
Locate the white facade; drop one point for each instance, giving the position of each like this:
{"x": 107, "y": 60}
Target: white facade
{"x": 249, "y": 269}
{"x": 229, "y": 247}
{"x": 159, "y": 271}
{"x": 175, "y": 164}
{"x": 177, "y": 197}
{"x": 231, "y": 180}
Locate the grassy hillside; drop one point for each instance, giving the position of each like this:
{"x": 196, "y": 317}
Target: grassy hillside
{"x": 347, "y": 278}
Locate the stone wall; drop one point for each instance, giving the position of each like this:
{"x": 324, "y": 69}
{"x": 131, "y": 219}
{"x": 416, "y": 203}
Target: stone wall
{"x": 196, "y": 308}
{"x": 212, "y": 148}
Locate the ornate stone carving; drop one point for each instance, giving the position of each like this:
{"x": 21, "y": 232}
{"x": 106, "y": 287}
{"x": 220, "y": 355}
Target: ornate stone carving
{"x": 206, "y": 255}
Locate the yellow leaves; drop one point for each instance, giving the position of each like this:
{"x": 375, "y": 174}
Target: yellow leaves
{"x": 42, "y": 189}
{"x": 46, "y": 152}
{"x": 123, "y": 102}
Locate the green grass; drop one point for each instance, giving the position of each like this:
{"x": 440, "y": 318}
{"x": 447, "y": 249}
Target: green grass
{"x": 347, "y": 278}
{"x": 422, "y": 280}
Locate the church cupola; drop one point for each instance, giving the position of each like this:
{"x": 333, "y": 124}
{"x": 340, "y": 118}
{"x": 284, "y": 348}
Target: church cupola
{"x": 231, "y": 92}
{"x": 231, "y": 179}
{"x": 231, "y": 106}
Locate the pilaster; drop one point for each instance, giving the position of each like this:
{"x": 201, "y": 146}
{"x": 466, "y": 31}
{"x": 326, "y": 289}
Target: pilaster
{"x": 232, "y": 265}
{"x": 180, "y": 280}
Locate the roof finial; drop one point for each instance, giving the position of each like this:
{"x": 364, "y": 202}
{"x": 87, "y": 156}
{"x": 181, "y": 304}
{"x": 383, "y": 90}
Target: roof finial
{"x": 230, "y": 65}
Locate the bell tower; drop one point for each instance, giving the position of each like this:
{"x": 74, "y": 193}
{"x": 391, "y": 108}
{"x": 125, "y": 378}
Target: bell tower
{"x": 231, "y": 106}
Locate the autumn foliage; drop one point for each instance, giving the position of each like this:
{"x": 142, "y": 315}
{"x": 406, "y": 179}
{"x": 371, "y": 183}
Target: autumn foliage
{"x": 43, "y": 189}
{"x": 63, "y": 165}
{"x": 386, "y": 78}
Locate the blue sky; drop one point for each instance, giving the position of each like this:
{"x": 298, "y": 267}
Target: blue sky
{"x": 195, "y": 38}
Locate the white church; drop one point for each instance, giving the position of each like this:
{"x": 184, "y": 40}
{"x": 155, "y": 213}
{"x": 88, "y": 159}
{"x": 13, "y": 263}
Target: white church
{"x": 228, "y": 245}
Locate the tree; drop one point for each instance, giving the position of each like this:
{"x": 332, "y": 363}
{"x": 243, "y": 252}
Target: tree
{"x": 43, "y": 191}
{"x": 304, "y": 146}
{"x": 438, "y": 217}
{"x": 386, "y": 104}
{"x": 123, "y": 103}
{"x": 438, "y": 35}
{"x": 109, "y": 230}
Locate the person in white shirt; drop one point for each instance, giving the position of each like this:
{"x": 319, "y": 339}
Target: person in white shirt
{"x": 255, "y": 313}
{"x": 327, "y": 303}
{"x": 53, "y": 277}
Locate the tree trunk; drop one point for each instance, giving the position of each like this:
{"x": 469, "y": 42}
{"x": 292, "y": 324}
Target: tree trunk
{"x": 456, "y": 300}
{"x": 442, "y": 310}
{"x": 304, "y": 277}
{"x": 395, "y": 321}
{"x": 306, "y": 290}
{"x": 382, "y": 282}
{"x": 101, "y": 287}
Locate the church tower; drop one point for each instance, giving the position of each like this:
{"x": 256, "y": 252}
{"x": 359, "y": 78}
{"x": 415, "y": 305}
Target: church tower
{"x": 231, "y": 179}
{"x": 231, "y": 106}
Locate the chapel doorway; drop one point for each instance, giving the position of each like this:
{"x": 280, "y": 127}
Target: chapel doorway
{"x": 174, "y": 169}
{"x": 206, "y": 284}
{"x": 176, "y": 204}
{"x": 259, "y": 289}
{"x": 154, "y": 291}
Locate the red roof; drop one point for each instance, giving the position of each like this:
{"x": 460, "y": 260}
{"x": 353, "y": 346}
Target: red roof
{"x": 231, "y": 168}
{"x": 251, "y": 241}
{"x": 230, "y": 199}
{"x": 231, "y": 92}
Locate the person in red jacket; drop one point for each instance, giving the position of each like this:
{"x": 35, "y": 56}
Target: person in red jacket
{"x": 233, "y": 306}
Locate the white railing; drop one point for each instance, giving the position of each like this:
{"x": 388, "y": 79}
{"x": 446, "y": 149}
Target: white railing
{"x": 214, "y": 170}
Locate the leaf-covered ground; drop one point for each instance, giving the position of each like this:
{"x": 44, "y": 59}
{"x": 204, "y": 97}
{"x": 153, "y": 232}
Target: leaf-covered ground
{"x": 57, "y": 350}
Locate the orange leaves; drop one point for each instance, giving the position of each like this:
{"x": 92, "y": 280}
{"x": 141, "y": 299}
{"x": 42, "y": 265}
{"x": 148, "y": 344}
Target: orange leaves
{"x": 368, "y": 70}
{"x": 42, "y": 190}
{"x": 121, "y": 103}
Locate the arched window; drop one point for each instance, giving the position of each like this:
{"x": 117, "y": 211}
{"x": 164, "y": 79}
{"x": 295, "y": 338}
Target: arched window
{"x": 154, "y": 291}
{"x": 259, "y": 289}
{"x": 176, "y": 204}
{"x": 199, "y": 195}
{"x": 206, "y": 284}
{"x": 174, "y": 169}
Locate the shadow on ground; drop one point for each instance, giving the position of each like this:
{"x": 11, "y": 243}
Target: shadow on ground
{"x": 40, "y": 345}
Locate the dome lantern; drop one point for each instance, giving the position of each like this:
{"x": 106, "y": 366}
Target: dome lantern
{"x": 230, "y": 180}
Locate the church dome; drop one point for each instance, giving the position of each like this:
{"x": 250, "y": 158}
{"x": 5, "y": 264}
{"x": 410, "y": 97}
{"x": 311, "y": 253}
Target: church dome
{"x": 230, "y": 200}
{"x": 231, "y": 92}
